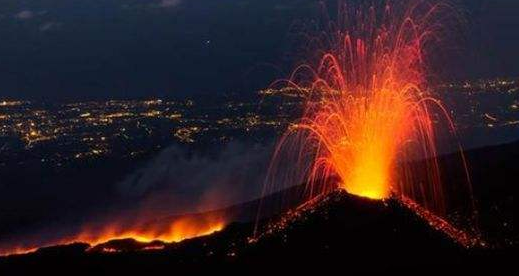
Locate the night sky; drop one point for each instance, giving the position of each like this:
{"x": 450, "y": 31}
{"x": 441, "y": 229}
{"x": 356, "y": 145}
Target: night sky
{"x": 99, "y": 49}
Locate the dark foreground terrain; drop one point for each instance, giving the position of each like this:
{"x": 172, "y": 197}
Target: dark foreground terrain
{"x": 338, "y": 233}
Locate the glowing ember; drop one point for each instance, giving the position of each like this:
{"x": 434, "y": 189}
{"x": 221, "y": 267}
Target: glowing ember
{"x": 369, "y": 112}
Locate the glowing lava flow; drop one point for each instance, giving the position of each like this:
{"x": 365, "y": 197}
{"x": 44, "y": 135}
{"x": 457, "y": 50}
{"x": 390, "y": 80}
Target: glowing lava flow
{"x": 180, "y": 229}
{"x": 369, "y": 112}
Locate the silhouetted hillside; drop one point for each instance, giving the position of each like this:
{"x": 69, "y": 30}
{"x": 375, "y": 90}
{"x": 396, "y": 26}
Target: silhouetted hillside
{"x": 339, "y": 231}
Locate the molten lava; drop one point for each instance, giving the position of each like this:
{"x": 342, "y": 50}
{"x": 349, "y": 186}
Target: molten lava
{"x": 369, "y": 112}
{"x": 178, "y": 230}
{"x": 361, "y": 137}
{"x": 165, "y": 231}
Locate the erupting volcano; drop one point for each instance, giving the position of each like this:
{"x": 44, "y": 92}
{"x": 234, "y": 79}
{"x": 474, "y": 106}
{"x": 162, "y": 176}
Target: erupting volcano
{"x": 370, "y": 114}
{"x": 369, "y": 124}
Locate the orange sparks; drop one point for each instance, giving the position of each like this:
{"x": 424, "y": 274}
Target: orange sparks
{"x": 369, "y": 113}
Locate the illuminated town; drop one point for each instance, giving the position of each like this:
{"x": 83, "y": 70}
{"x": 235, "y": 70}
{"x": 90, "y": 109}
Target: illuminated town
{"x": 125, "y": 127}
{"x": 133, "y": 127}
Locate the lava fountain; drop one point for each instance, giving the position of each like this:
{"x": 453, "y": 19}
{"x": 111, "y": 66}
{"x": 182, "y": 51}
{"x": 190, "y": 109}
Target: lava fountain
{"x": 370, "y": 115}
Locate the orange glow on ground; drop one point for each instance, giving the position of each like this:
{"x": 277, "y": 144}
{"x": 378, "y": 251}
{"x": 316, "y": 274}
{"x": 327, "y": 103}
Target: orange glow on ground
{"x": 177, "y": 231}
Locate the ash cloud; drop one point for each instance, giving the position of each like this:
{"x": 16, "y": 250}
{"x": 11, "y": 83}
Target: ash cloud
{"x": 177, "y": 181}
{"x": 169, "y": 3}
{"x": 24, "y": 15}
